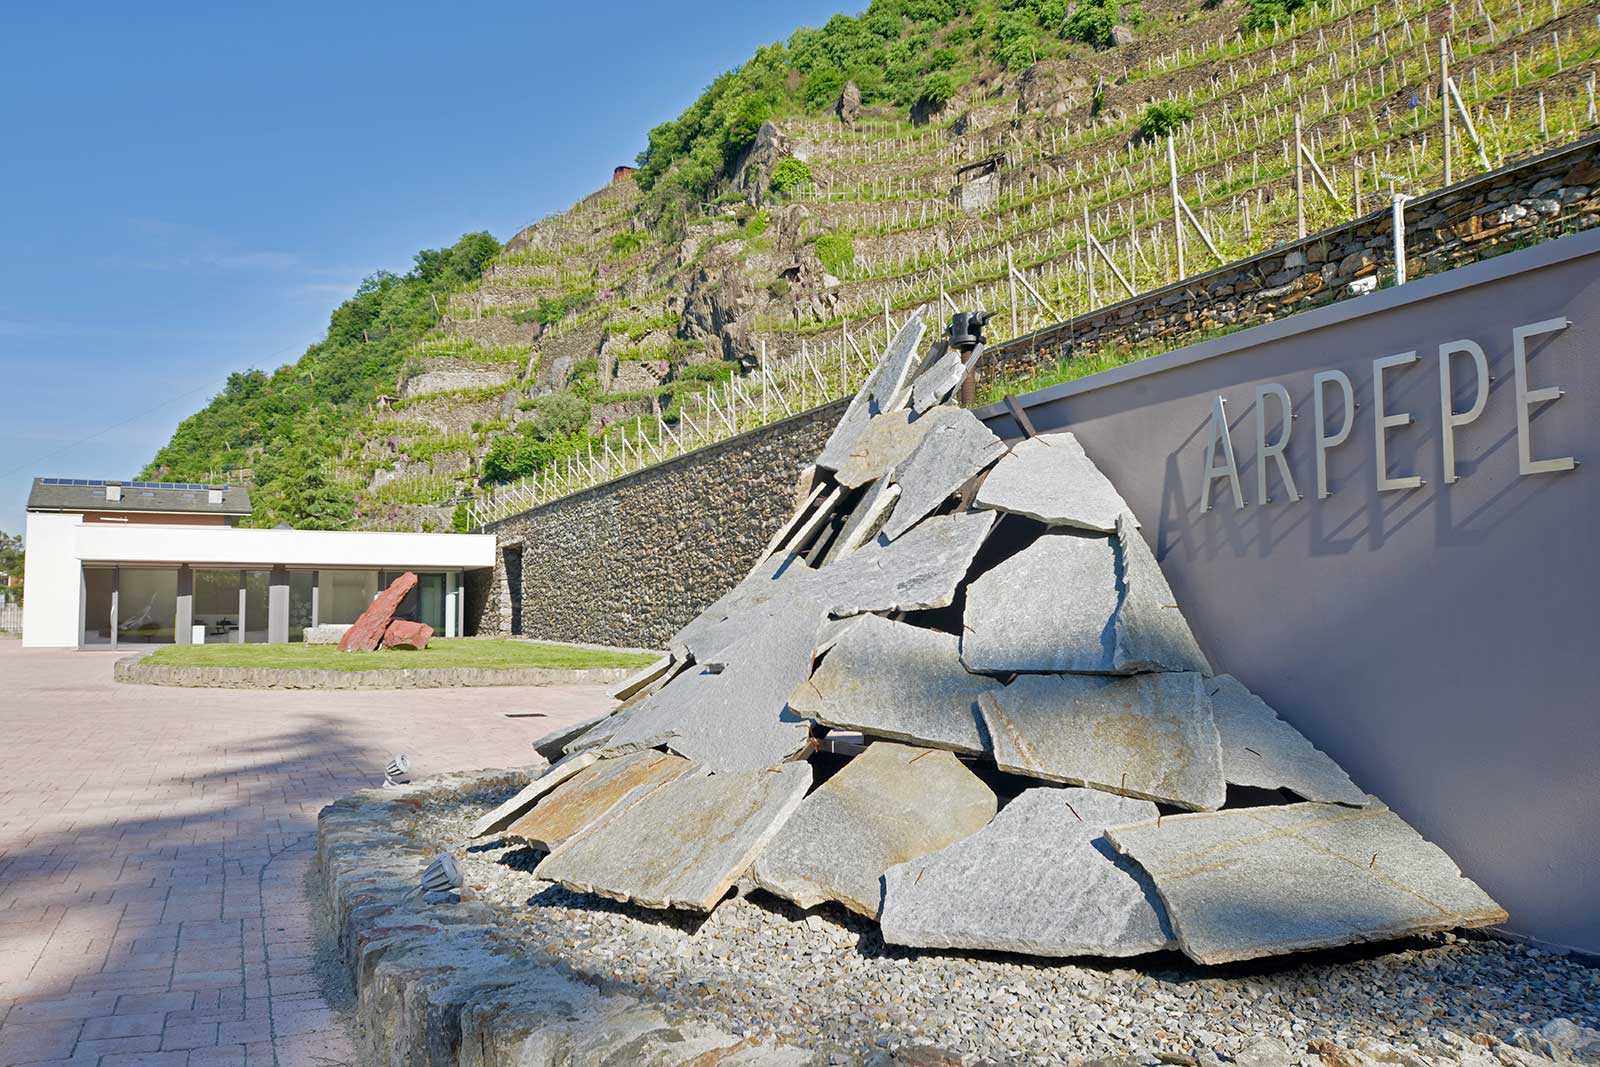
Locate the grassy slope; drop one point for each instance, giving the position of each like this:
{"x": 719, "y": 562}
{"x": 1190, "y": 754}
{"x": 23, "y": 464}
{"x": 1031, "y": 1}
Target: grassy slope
{"x": 441, "y": 652}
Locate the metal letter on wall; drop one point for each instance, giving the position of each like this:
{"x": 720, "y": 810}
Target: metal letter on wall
{"x": 1382, "y": 422}
{"x": 1274, "y": 451}
{"x": 1326, "y": 440}
{"x": 1214, "y": 470}
{"x": 1451, "y": 419}
{"x": 1526, "y": 398}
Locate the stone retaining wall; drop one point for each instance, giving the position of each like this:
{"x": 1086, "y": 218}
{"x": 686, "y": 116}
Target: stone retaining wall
{"x": 1512, "y": 207}
{"x": 133, "y": 669}
{"x": 438, "y": 984}
{"x": 629, "y": 562}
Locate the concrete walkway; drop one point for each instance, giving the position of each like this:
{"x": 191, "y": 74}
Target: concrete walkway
{"x": 154, "y": 846}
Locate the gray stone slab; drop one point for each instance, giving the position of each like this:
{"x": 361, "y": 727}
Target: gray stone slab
{"x": 724, "y": 620}
{"x": 1051, "y": 607}
{"x": 1051, "y": 478}
{"x": 1253, "y": 882}
{"x": 897, "y": 681}
{"x": 954, "y": 448}
{"x": 876, "y": 395}
{"x": 731, "y": 716}
{"x": 507, "y": 813}
{"x": 643, "y": 680}
{"x": 864, "y": 520}
{"x": 589, "y": 794}
{"x": 937, "y": 381}
{"x": 1039, "y": 879}
{"x": 1260, "y": 749}
{"x": 1151, "y": 632}
{"x": 1149, "y": 735}
{"x": 920, "y": 570}
{"x": 888, "y": 805}
{"x": 552, "y": 746}
{"x": 685, "y": 843}
{"x": 886, "y": 441}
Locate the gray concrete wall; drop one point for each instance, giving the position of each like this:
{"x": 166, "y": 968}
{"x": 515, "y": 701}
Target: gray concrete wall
{"x": 1434, "y": 640}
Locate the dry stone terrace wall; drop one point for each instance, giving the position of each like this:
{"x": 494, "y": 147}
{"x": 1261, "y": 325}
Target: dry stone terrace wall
{"x": 1509, "y": 208}
{"x": 632, "y": 561}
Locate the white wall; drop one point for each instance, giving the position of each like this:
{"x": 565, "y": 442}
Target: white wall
{"x": 50, "y": 608}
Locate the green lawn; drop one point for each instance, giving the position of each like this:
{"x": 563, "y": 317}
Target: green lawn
{"x": 441, "y": 652}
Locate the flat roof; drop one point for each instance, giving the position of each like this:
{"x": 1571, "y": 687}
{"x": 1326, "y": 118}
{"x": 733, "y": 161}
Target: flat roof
{"x": 181, "y": 498}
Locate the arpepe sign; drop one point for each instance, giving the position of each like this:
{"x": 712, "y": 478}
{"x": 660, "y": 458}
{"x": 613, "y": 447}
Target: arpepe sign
{"x": 1335, "y": 412}
{"x": 1373, "y": 514}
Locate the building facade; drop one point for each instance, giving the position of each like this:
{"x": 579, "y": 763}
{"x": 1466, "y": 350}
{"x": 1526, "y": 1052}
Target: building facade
{"x": 120, "y": 564}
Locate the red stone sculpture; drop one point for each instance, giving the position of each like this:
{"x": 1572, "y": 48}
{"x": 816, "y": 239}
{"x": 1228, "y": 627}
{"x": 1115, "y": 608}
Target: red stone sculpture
{"x": 408, "y": 635}
{"x": 367, "y": 633}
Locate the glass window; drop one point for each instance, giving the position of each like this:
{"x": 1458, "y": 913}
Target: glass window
{"x": 98, "y": 583}
{"x": 256, "y": 584}
{"x": 147, "y": 606}
{"x": 216, "y": 604}
{"x": 300, "y": 583}
{"x": 344, "y": 595}
{"x": 430, "y": 601}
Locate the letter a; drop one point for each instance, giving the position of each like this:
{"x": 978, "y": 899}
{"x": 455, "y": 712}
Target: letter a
{"x": 1215, "y": 470}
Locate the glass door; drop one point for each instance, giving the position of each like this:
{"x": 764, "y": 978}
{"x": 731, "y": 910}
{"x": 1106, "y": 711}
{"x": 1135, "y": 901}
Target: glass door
{"x": 430, "y": 601}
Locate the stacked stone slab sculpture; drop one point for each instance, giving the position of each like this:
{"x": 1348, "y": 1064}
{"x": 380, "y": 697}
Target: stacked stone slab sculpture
{"x": 959, "y": 697}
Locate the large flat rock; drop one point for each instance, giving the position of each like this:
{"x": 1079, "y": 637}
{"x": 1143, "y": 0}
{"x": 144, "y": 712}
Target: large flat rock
{"x": 1151, "y": 632}
{"x": 1149, "y": 735}
{"x": 920, "y": 570}
{"x": 724, "y": 621}
{"x": 1051, "y": 607}
{"x": 887, "y": 440}
{"x": 937, "y": 381}
{"x": 890, "y": 804}
{"x": 877, "y": 395}
{"x": 1039, "y": 879}
{"x": 505, "y": 814}
{"x": 1051, "y": 478}
{"x": 897, "y": 681}
{"x": 366, "y": 633}
{"x": 1260, "y": 749}
{"x": 683, "y": 844}
{"x": 590, "y": 793}
{"x": 1253, "y": 882}
{"x": 955, "y": 447}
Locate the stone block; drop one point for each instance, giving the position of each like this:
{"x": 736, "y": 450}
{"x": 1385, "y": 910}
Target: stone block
{"x": 1052, "y": 479}
{"x": 509, "y": 811}
{"x": 685, "y": 843}
{"x": 902, "y": 682}
{"x": 922, "y": 569}
{"x": 1040, "y": 879}
{"x": 1149, "y": 735}
{"x": 590, "y": 793}
{"x": 955, "y": 448}
{"x": 886, "y": 441}
{"x": 1051, "y": 607}
{"x": 326, "y": 634}
{"x": 1251, "y": 882}
{"x": 1151, "y": 633}
{"x": 407, "y": 636}
{"x": 1259, "y": 749}
{"x": 937, "y": 381}
{"x": 888, "y": 805}
{"x": 366, "y": 633}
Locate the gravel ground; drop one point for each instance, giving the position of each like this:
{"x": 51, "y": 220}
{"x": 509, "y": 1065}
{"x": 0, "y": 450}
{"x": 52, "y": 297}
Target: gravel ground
{"x": 825, "y": 980}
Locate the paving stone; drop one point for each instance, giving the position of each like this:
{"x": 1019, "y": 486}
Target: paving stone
{"x": 886, "y": 441}
{"x": 876, "y": 396}
{"x": 1260, "y": 749}
{"x": 897, "y": 681}
{"x": 1151, "y": 632}
{"x": 920, "y": 570}
{"x": 937, "y": 381}
{"x": 1252, "y": 882}
{"x": 1149, "y": 735}
{"x": 954, "y": 449}
{"x": 1039, "y": 879}
{"x": 888, "y": 805}
{"x": 730, "y": 716}
{"x": 685, "y": 843}
{"x": 590, "y": 793}
{"x": 499, "y": 818}
{"x": 1051, "y": 607}
{"x": 1051, "y": 478}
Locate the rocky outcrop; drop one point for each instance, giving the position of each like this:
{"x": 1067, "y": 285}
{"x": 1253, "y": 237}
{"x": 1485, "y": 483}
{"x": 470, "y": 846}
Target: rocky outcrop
{"x": 715, "y": 310}
{"x": 753, "y": 174}
{"x": 849, "y": 106}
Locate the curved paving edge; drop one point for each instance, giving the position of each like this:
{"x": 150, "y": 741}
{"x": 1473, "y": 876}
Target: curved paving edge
{"x": 442, "y": 985}
{"x": 134, "y": 670}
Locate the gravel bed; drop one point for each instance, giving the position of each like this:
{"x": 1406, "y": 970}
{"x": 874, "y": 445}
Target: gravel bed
{"x": 825, "y": 980}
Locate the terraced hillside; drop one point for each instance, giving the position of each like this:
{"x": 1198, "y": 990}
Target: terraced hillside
{"x": 630, "y": 326}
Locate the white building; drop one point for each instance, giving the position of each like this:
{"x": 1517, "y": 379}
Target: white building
{"x": 115, "y": 564}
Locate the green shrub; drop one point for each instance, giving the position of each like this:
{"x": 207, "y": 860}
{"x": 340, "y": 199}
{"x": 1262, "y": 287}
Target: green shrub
{"x": 836, "y": 252}
{"x": 756, "y": 225}
{"x": 461, "y": 520}
{"x": 1092, "y": 22}
{"x": 822, "y": 88}
{"x": 718, "y": 372}
{"x": 941, "y": 59}
{"x": 1265, "y": 14}
{"x": 626, "y": 243}
{"x": 1163, "y": 118}
{"x": 790, "y": 174}
{"x": 1016, "y": 45}
{"x": 552, "y": 309}
{"x": 936, "y": 91}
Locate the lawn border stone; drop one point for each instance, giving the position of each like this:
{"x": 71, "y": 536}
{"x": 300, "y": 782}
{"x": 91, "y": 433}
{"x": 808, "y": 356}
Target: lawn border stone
{"x": 135, "y": 670}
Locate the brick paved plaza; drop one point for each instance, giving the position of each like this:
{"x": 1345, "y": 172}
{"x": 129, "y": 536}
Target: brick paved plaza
{"x": 154, "y": 845}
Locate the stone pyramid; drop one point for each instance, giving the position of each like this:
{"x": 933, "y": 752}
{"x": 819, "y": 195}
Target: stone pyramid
{"x": 957, "y": 695}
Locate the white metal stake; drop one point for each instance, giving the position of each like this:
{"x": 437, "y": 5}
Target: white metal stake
{"x": 1397, "y": 208}
{"x": 1177, "y": 216}
{"x": 1444, "y": 103}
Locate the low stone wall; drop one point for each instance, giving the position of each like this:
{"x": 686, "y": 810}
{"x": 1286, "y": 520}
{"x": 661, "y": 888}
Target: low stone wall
{"x": 629, "y": 562}
{"x": 438, "y": 983}
{"x": 1517, "y": 205}
{"x": 135, "y": 670}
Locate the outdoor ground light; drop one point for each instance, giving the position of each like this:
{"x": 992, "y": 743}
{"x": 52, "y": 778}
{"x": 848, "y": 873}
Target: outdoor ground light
{"x": 443, "y": 875}
{"x": 399, "y": 770}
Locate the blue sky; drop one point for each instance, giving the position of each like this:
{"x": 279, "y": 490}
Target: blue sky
{"x": 189, "y": 190}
